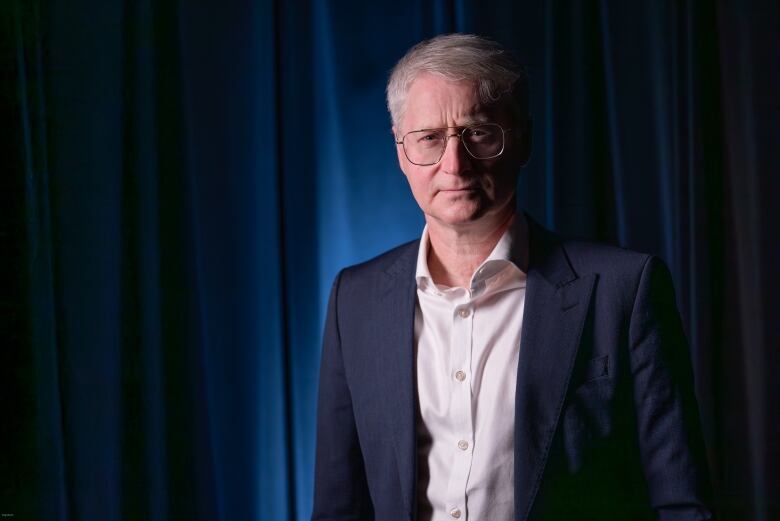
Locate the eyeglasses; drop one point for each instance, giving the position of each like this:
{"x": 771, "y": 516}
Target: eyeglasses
{"x": 426, "y": 147}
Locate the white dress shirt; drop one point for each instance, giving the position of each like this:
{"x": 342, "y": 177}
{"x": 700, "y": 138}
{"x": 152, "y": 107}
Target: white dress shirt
{"x": 467, "y": 342}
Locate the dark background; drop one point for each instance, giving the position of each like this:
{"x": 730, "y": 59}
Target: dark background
{"x": 180, "y": 182}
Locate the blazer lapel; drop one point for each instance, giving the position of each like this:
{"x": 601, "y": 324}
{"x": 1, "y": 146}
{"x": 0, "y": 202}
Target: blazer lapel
{"x": 556, "y": 305}
{"x": 397, "y": 352}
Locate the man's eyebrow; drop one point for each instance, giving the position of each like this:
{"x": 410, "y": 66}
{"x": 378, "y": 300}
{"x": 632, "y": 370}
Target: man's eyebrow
{"x": 476, "y": 119}
{"x": 471, "y": 120}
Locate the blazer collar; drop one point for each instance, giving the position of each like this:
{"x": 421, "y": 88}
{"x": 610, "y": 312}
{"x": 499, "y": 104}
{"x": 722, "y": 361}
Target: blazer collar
{"x": 547, "y": 255}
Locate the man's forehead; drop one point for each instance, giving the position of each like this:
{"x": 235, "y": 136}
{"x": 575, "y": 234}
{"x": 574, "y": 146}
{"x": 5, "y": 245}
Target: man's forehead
{"x": 433, "y": 102}
{"x": 421, "y": 116}
{"x": 429, "y": 88}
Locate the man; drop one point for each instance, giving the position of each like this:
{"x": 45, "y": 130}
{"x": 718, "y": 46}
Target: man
{"x": 492, "y": 370}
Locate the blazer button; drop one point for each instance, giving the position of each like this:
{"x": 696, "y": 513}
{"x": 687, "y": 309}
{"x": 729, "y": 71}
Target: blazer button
{"x": 455, "y": 513}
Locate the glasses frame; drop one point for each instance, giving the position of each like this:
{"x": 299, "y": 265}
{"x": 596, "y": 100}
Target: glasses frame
{"x": 459, "y": 135}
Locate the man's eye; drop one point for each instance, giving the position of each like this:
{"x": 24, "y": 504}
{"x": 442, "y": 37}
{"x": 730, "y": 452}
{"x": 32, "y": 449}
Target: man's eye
{"x": 479, "y": 132}
{"x": 480, "y": 135}
{"x": 429, "y": 139}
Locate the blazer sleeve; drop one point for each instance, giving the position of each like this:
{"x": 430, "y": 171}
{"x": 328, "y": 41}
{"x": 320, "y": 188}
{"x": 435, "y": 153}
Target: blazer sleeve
{"x": 669, "y": 430}
{"x": 340, "y": 488}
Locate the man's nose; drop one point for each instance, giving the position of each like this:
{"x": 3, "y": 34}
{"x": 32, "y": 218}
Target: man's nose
{"x": 456, "y": 160}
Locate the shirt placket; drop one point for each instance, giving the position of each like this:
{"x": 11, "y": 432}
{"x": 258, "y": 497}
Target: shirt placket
{"x": 462, "y": 422}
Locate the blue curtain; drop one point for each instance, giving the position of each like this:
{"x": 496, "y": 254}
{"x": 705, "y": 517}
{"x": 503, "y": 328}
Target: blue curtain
{"x": 182, "y": 180}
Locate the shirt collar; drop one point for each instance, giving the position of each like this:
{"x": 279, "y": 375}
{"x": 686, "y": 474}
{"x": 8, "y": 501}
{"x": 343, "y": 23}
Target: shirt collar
{"x": 511, "y": 248}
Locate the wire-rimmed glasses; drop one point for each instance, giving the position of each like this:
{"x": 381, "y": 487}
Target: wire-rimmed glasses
{"x": 426, "y": 147}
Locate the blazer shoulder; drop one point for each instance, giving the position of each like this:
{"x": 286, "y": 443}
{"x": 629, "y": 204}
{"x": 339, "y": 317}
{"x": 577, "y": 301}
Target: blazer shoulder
{"x": 619, "y": 270}
{"x": 564, "y": 257}
{"x": 625, "y": 279}
{"x": 400, "y": 260}
{"x": 593, "y": 257}
{"x": 362, "y": 289}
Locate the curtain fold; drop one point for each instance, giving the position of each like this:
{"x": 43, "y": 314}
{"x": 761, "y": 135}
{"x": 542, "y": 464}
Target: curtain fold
{"x": 183, "y": 181}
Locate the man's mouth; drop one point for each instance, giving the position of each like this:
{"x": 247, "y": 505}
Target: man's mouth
{"x": 459, "y": 189}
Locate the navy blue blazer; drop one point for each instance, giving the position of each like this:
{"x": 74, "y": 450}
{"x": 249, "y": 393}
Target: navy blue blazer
{"x": 606, "y": 422}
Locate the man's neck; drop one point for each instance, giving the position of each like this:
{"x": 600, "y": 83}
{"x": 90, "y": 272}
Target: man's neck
{"x": 456, "y": 252}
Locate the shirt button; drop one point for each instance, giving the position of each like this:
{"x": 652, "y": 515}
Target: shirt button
{"x": 463, "y": 312}
{"x": 460, "y": 376}
{"x": 463, "y": 445}
{"x": 455, "y": 512}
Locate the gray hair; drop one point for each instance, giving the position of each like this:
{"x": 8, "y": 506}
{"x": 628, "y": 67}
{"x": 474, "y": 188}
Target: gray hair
{"x": 461, "y": 57}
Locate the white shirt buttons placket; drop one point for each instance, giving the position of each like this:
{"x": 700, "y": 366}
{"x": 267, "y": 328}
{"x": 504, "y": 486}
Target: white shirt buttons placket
{"x": 460, "y": 360}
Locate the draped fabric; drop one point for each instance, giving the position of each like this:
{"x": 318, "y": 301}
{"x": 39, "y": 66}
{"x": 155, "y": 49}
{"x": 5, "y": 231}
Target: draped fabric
{"x": 182, "y": 180}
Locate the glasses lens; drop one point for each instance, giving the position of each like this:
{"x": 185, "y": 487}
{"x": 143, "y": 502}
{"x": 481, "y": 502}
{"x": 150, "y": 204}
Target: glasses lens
{"x": 425, "y": 147}
{"x": 484, "y": 141}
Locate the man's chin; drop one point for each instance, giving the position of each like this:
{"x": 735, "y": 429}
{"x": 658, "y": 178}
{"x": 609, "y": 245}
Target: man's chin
{"x": 461, "y": 217}
{"x": 470, "y": 213}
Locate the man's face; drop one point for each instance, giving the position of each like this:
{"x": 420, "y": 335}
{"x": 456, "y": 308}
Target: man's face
{"x": 459, "y": 189}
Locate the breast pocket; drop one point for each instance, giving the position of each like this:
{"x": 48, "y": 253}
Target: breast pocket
{"x": 590, "y": 371}
{"x": 596, "y": 368}
{"x": 588, "y": 414}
